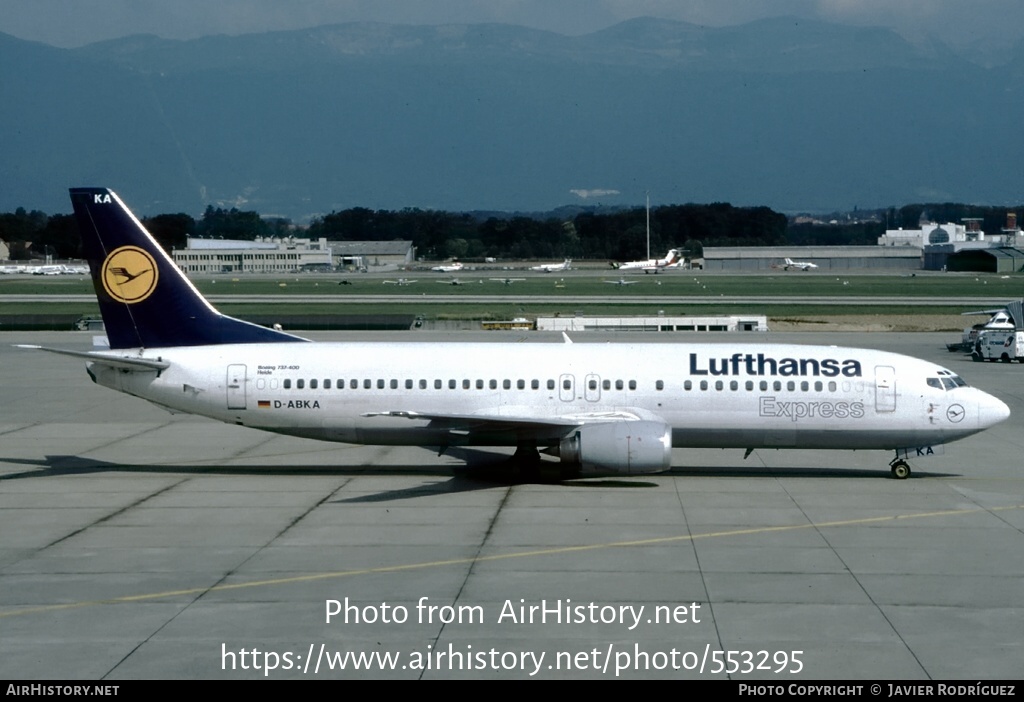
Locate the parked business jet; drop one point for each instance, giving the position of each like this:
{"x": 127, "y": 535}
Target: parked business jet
{"x": 799, "y": 265}
{"x": 654, "y": 265}
{"x": 600, "y": 408}
{"x": 448, "y": 267}
{"x": 553, "y": 267}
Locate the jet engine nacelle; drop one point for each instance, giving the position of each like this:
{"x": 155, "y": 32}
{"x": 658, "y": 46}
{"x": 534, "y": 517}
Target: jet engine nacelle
{"x": 619, "y": 447}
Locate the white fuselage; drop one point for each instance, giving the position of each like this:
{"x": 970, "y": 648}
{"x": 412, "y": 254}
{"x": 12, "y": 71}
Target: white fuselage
{"x": 709, "y": 395}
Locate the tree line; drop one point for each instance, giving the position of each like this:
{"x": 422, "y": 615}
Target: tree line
{"x": 587, "y": 234}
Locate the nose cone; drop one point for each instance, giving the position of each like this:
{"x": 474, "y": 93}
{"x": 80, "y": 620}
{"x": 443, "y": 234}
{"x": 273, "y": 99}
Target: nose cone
{"x": 991, "y": 411}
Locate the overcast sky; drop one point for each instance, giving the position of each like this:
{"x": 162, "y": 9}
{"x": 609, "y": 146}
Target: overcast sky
{"x": 989, "y": 24}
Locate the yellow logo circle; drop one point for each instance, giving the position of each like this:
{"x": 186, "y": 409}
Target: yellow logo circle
{"x": 129, "y": 274}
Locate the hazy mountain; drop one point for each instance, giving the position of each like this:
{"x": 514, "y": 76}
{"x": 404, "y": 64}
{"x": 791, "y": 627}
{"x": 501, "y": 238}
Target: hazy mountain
{"x": 792, "y": 114}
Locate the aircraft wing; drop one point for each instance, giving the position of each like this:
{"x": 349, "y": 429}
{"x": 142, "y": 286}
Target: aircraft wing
{"x": 976, "y": 312}
{"x": 505, "y": 423}
{"x": 107, "y": 359}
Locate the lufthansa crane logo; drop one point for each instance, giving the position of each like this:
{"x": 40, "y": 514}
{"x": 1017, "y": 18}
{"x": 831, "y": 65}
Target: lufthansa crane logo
{"x": 129, "y": 274}
{"x": 955, "y": 413}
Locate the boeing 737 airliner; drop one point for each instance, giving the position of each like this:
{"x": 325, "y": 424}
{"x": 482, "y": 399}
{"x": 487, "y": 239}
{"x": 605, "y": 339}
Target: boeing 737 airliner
{"x": 601, "y": 408}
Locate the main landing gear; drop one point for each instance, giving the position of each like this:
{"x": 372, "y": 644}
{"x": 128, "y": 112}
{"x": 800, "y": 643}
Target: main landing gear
{"x": 528, "y": 462}
{"x": 900, "y": 468}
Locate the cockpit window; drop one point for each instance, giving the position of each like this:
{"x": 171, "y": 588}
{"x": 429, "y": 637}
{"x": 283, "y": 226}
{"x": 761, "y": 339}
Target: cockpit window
{"x": 946, "y": 381}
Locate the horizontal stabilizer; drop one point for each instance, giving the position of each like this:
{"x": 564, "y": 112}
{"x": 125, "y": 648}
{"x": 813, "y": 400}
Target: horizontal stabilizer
{"x": 107, "y": 359}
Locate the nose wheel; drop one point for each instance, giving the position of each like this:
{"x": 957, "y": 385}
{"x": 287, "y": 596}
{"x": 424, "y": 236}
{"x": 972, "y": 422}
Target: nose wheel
{"x": 900, "y": 469}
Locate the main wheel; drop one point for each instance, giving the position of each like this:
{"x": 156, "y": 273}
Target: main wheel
{"x": 900, "y": 470}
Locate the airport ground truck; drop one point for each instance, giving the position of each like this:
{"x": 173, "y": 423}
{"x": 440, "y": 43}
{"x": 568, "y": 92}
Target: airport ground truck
{"x": 1005, "y": 344}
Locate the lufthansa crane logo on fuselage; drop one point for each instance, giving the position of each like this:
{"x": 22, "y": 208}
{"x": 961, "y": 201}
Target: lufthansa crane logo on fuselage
{"x": 129, "y": 274}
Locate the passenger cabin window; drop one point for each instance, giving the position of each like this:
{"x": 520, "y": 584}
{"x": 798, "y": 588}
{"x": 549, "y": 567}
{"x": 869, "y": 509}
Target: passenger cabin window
{"x": 659, "y": 385}
{"x": 300, "y": 383}
{"x": 287, "y": 383}
{"x": 312, "y": 384}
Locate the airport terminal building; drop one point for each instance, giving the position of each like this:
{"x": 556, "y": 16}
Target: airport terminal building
{"x": 288, "y": 255}
{"x": 285, "y": 255}
{"x": 933, "y": 246}
{"x": 740, "y": 259}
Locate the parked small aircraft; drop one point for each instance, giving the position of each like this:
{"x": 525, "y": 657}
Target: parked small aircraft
{"x": 799, "y": 265}
{"x": 553, "y": 267}
{"x": 654, "y": 265}
{"x": 448, "y": 267}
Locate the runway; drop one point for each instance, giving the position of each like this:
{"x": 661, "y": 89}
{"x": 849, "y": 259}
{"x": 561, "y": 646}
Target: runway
{"x": 135, "y": 544}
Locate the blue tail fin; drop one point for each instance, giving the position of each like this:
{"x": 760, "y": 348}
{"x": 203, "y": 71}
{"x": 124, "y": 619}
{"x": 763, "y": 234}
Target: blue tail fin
{"x": 146, "y": 301}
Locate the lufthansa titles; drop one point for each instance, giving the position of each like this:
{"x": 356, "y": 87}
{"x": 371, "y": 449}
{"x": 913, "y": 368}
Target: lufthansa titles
{"x": 762, "y": 364}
